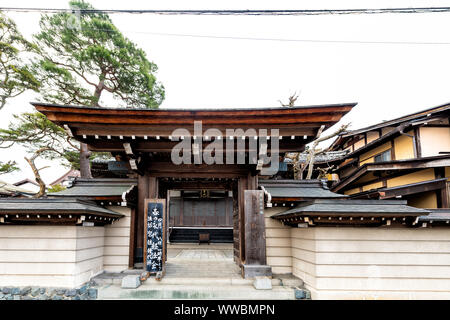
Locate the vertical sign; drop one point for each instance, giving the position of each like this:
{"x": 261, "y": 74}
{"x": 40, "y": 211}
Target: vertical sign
{"x": 255, "y": 237}
{"x": 155, "y": 236}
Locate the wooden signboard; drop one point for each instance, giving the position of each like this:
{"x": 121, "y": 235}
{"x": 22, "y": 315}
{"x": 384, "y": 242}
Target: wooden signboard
{"x": 155, "y": 236}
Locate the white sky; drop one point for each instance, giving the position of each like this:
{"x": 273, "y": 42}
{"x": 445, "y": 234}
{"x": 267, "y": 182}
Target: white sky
{"x": 387, "y": 80}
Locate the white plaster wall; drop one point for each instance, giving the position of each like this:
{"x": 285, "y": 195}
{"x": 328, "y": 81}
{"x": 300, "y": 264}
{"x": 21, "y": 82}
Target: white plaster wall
{"x": 117, "y": 242}
{"x": 278, "y": 243}
{"x": 50, "y": 256}
{"x": 373, "y": 263}
{"x": 434, "y": 140}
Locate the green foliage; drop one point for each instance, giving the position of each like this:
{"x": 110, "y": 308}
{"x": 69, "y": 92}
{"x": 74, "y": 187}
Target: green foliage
{"x": 36, "y": 133}
{"x": 55, "y": 188}
{"x": 15, "y": 76}
{"x": 73, "y": 158}
{"x": 84, "y": 54}
{"x": 8, "y": 167}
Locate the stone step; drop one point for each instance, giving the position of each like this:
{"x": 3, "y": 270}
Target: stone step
{"x": 203, "y": 281}
{"x": 165, "y": 291}
{"x": 195, "y": 279}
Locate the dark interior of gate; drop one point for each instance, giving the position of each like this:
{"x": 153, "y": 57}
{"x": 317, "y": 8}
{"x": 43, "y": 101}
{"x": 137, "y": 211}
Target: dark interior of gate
{"x": 197, "y": 216}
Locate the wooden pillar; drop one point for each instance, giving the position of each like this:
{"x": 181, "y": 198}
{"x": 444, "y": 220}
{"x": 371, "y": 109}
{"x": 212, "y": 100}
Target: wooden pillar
{"x": 132, "y": 249}
{"x": 252, "y": 182}
{"x": 445, "y": 196}
{"x": 140, "y": 213}
{"x": 255, "y": 236}
{"x": 242, "y": 186}
{"x": 152, "y": 187}
{"x": 236, "y": 246}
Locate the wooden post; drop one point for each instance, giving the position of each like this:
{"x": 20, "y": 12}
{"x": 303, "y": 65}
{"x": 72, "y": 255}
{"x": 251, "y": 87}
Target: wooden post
{"x": 255, "y": 237}
{"x": 140, "y": 213}
{"x": 236, "y": 246}
{"x": 242, "y": 185}
{"x": 132, "y": 249}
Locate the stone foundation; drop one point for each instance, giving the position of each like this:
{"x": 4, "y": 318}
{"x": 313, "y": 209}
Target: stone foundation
{"x": 84, "y": 292}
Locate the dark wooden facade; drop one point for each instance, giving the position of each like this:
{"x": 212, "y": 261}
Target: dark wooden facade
{"x": 145, "y": 139}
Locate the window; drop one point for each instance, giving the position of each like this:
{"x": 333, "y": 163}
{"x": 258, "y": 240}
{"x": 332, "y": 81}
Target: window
{"x": 384, "y": 156}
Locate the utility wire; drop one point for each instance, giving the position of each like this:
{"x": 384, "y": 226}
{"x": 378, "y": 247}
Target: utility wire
{"x": 294, "y": 12}
{"x": 291, "y": 40}
{"x": 280, "y": 39}
{"x": 255, "y": 12}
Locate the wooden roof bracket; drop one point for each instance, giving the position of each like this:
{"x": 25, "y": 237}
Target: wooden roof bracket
{"x": 269, "y": 197}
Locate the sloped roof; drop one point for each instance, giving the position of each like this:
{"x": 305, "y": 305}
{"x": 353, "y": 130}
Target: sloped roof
{"x": 48, "y": 205}
{"x": 151, "y": 130}
{"x": 437, "y": 215}
{"x": 102, "y": 187}
{"x": 355, "y": 207}
{"x": 68, "y": 174}
{"x": 394, "y": 122}
{"x": 24, "y": 181}
{"x": 299, "y": 189}
{"x": 412, "y": 164}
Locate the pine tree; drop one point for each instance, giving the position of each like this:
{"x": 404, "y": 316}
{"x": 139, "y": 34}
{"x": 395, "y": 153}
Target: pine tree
{"x": 83, "y": 55}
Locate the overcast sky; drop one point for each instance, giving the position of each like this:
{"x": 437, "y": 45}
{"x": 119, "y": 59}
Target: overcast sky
{"x": 387, "y": 80}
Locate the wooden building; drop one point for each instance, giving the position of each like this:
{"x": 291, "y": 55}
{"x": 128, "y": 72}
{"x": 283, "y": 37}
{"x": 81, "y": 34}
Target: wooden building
{"x": 407, "y": 158}
{"x": 330, "y": 240}
{"x": 144, "y": 140}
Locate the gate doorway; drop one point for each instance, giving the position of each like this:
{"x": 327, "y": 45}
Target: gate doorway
{"x": 200, "y": 216}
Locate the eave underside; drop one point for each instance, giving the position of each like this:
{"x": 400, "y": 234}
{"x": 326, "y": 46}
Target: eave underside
{"x": 106, "y": 129}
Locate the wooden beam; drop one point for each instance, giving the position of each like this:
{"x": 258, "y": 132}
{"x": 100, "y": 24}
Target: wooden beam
{"x": 167, "y": 146}
{"x": 164, "y": 131}
{"x": 196, "y": 185}
{"x": 168, "y": 169}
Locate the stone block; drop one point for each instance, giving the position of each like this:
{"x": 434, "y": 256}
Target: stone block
{"x": 302, "y": 294}
{"x": 6, "y": 290}
{"x": 83, "y": 289}
{"x": 60, "y": 292}
{"x": 15, "y": 291}
{"x": 25, "y": 291}
{"x": 252, "y": 271}
{"x": 51, "y": 292}
{"x": 92, "y": 294}
{"x": 131, "y": 282}
{"x": 84, "y": 296}
{"x": 71, "y": 293}
{"x": 35, "y": 291}
{"x": 262, "y": 283}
